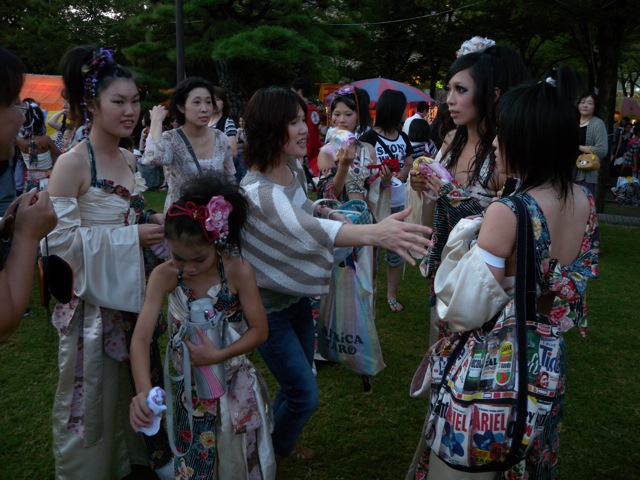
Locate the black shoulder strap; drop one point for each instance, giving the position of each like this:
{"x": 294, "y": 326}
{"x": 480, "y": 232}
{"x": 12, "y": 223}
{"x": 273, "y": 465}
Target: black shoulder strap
{"x": 189, "y": 147}
{"x": 525, "y": 300}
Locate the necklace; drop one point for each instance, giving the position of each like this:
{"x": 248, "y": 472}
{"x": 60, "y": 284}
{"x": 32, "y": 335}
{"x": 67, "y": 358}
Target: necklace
{"x": 585, "y": 123}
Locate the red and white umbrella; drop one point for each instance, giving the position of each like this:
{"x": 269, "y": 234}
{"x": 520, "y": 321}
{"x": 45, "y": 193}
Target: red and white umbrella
{"x": 375, "y": 86}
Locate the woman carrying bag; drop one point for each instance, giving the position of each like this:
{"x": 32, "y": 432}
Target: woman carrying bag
{"x": 564, "y": 225}
{"x": 192, "y": 148}
{"x": 593, "y": 139}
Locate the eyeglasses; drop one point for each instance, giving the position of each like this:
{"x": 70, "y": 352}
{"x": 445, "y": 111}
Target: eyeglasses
{"x": 22, "y": 109}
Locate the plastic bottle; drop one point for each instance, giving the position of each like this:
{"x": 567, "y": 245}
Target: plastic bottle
{"x": 210, "y": 380}
{"x": 490, "y": 363}
{"x": 475, "y": 369}
{"x": 505, "y": 368}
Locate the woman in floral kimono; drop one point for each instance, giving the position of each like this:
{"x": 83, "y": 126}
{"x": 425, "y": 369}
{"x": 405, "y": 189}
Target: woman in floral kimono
{"x": 97, "y": 195}
{"x": 473, "y": 84}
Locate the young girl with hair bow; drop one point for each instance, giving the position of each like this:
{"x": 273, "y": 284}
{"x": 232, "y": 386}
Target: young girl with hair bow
{"x": 228, "y": 436}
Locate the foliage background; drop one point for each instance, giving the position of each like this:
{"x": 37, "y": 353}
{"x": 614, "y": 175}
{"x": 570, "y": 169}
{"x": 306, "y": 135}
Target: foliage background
{"x": 243, "y": 45}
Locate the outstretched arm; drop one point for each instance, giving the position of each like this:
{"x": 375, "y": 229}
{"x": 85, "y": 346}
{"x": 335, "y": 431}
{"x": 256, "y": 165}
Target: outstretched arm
{"x": 392, "y": 233}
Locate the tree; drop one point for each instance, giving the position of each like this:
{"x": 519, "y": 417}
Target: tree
{"x": 236, "y": 44}
{"x": 40, "y": 31}
{"x": 599, "y": 32}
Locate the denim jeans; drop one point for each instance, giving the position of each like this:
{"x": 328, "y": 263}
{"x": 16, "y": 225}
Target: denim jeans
{"x": 238, "y": 162}
{"x": 288, "y": 352}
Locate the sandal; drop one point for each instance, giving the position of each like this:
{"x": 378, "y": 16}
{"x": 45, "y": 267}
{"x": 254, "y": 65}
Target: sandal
{"x": 300, "y": 452}
{"x": 395, "y": 306}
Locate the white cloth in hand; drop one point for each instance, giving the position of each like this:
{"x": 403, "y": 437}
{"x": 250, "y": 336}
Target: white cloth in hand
{"x": 155, "y": 401}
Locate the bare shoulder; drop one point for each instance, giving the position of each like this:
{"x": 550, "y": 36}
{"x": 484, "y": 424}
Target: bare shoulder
{"x": 238, "y": 271}
{"x": 581, "y": 204}
{"x": 235, "y": 265}
{"x": 164, "y": 277}
{"x": 325, "y": 160}
{"x": 76, "y": 157}
{"x": 498, "y": 231}
{"x": 498, "y": 210}
{"x": 71, "y": 173}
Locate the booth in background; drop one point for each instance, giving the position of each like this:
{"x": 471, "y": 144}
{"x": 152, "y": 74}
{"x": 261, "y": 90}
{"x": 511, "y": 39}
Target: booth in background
{"x": 47, "y": 91}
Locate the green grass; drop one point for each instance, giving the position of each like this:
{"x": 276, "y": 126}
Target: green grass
{"x": 373, "y": 435}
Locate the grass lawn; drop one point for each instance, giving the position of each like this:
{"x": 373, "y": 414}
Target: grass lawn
{"x": 373, "y": 435}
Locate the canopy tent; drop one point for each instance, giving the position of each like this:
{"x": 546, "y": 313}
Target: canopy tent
{"x": 627, "y": 107}
{"x": 46, "y": 90}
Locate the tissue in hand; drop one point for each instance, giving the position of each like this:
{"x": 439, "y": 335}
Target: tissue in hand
{"x": 155, "y": 401}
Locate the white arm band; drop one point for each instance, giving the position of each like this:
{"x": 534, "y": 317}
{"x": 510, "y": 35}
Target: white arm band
{"x": 490, "y": 258}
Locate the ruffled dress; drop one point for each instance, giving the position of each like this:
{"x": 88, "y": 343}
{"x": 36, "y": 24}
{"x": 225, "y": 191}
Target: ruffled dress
{"x": 231, "y": 436}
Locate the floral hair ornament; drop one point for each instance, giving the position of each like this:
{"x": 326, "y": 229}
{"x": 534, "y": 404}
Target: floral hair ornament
{"x": 102, "y": 59}
{"x": 475, "y": 44}
{"x": 214, "y": 217}
{"x": 346, "y": 90}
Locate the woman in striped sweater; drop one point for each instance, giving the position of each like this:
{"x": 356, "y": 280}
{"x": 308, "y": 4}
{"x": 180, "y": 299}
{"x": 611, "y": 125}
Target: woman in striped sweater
{"x": 291, "y": 249}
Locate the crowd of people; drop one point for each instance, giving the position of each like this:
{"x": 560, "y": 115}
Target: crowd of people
{"x": 239, "y": 232}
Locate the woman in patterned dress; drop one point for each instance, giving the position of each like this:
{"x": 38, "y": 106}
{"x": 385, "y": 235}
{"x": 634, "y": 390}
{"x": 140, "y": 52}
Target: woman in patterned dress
{"x": 473, "y": 84}
{"x": 191, "y": 148}
{"x": 563, "y": 217}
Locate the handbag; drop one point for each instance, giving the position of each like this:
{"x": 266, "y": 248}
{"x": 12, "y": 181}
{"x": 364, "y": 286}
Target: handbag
{"x": 346, "y": 329}
{"x": 356, "y": 210}
{"x": 492, "y": 388}
{"x": 56, "y": 278}
{"x": 588, "y": 162}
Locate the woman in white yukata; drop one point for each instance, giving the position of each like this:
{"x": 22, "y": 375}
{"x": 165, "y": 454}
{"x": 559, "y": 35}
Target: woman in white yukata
{"x": 97, "y": 195}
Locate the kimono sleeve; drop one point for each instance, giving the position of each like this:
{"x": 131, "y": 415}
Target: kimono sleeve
{"x": 107, "y": 261}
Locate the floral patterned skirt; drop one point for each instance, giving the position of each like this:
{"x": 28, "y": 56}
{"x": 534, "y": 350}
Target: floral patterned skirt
{"x": 199, "y": 462}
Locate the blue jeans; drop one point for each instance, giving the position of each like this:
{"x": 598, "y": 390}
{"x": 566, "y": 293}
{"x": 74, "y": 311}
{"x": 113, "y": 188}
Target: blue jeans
{"x": 288, "y": 352}
{"x": 238, "y": 162}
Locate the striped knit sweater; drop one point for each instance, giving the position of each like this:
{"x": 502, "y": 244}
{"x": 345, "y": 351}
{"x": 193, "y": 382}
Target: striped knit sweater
{"x": 290, "y": 250}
